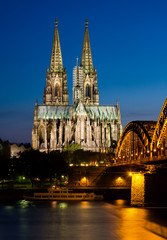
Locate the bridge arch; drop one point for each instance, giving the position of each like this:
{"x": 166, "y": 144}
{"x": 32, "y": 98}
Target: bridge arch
{"x": 159, "y": 138}
{"x": 135, "y": 140}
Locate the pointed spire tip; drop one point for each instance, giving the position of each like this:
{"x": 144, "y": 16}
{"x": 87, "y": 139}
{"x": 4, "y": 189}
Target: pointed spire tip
{"x": 56, "y": 22}
{"x": 86, "y": 22}
{"x": 56, "y": 63}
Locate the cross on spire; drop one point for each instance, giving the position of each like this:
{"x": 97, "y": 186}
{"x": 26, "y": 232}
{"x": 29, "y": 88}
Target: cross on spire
{"x": 86, "y": 22}
{"x": 56, "y": 22}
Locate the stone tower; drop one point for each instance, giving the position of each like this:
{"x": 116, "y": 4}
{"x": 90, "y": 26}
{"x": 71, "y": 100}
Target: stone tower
{"x": 90, "y": 91}
{"x": 56, "y": 92}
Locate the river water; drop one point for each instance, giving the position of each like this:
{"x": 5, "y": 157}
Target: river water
{"x": 25, "y": 220}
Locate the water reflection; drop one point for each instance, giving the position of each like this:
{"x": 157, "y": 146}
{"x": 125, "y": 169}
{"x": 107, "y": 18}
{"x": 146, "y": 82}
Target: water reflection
{"x": 25, "y": 204}
{"x": 120, "y": 202}
{"x": 132, "y": 222}
{"x": 8, "y": 208}
{"x": 135, "y": 223}
{"x": 85, "y": 204}
{"x": 79, "y": 220}
{"x": 63, "y": 205}
{"x": 54, "y": 204}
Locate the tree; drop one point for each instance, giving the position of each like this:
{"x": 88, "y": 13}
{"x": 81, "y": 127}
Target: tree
{"x": 4, "y": 168}
{"x": 34, "y": 164}
{"x": 57, "y": 164}
{"x": 72, "y": 147}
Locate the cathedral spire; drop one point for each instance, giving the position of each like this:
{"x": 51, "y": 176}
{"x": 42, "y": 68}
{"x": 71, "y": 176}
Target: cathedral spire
{"x": 56, "y": 63}
{"x": 86, "y": 59}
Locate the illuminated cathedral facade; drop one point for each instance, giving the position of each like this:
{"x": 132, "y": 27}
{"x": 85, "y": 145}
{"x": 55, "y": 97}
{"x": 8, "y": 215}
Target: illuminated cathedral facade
{"x": 56, "y": 123}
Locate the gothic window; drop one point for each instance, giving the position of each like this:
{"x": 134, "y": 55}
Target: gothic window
{"x": 101, "y": 132}
{"x": 41, "y": 136}
{"x": 85, "y": 132}
{"x": 49, "y": 90}
{"x": 93, "y": 89}
{"x": 105, "y": 134}
{"x": 63, "y": 135}
{"x": 88, "y": 91}
{"x": 58, "y": 125}
{"x": 49, "y": 128}
{"x": 57, "y": 90}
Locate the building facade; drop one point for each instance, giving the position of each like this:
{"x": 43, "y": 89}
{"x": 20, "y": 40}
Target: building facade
{"x": 56, "y": 123}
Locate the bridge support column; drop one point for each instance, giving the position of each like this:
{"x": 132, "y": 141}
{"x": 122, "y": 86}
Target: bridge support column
{"x": 137, "y": 189}
{"x": 149, "y": 189}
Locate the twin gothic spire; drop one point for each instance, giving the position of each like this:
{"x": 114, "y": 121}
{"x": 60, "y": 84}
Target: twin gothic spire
{"x": 56, "y": 63}
{"x": 86, "y": 89}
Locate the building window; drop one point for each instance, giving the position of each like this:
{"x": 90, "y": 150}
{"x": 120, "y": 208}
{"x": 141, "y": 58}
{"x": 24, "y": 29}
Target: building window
{"x": 57, "y": 90}
{"x": 93, "y": 89}
{"x": 88, "y": 91}
{"x": 41, "y": 137}
{"x": 49, "y": 129}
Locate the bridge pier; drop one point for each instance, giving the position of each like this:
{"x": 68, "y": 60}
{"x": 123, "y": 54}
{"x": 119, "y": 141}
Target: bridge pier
{"x": 149, "y": 189}
{"x": 138, "y": 189}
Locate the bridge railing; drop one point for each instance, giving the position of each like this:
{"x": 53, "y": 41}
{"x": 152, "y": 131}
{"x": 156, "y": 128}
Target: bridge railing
{"x": 140, "y": 160}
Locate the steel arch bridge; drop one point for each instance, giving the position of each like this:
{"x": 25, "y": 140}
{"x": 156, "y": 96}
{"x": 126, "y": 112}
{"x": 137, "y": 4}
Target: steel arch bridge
{"x": 160, "y": 133}
{"x": 144, "y": 139}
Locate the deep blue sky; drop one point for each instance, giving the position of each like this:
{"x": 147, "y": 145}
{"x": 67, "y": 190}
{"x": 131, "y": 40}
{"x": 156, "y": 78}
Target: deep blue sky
{"x": 129, "y": 48}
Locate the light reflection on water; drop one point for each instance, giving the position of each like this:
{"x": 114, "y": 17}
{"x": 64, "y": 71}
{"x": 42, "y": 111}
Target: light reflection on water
{"x": 26, "y": 220}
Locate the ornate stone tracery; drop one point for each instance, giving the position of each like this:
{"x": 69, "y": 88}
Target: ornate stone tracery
{"x": 56, "y": 123}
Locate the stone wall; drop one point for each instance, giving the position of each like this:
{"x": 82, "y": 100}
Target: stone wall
{"x": 138, "y": 189}
{"x": 99, "y": 177}
{"x": 149, "y": 189}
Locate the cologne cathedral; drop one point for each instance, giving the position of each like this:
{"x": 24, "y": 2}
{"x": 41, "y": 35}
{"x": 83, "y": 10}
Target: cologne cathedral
{"x": 56, "y": 123}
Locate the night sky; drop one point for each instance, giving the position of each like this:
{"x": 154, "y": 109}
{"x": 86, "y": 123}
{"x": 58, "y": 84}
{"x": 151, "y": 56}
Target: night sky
{"x": 129, "y": 48}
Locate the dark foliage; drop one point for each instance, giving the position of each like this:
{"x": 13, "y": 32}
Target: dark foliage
{"x": 34, "y": 164}
{"x": 4, "y": 167}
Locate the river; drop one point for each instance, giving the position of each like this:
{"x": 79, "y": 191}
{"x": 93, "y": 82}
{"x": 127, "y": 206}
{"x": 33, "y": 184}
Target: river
{"x": 25, "y": 220}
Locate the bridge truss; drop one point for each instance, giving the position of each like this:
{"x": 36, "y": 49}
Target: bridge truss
{"x": 143, "y": 139}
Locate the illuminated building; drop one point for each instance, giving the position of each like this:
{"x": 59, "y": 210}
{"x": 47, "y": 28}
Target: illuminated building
{"x": 56, "y": 123}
